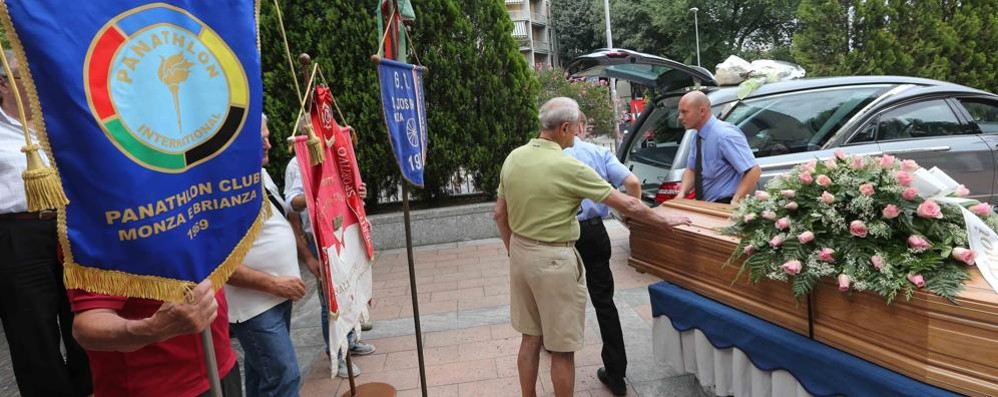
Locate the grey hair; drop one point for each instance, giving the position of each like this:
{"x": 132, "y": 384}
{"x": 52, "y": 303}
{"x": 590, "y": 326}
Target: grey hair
{"x": 559, "y": 110}
{"x": 263, "y": 116}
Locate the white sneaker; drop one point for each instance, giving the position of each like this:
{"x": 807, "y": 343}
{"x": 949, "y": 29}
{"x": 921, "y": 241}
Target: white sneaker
{"x": 341, "y": 372}
{"x": 362, "y": 349}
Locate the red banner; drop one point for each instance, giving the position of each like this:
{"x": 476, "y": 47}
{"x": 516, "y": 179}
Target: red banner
{"x": 338, "y": 145}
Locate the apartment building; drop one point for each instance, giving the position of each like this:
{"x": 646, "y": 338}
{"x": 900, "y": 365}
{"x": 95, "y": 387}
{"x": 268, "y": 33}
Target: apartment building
{"x": 533, "y": 31}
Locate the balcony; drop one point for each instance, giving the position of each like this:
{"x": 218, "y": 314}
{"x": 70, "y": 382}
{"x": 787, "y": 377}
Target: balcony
{"x": 542, "y": 46}
{"x": 523, "y": 43}
{"x": 538, "y": 19}
{"x": 519, "y": 15}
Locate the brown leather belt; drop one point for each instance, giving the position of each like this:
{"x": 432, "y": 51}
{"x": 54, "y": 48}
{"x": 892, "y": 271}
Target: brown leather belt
{"x": 29, "y": 216}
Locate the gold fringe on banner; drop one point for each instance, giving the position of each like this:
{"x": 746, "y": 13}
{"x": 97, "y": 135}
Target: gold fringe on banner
{"x": 117, "y": 283}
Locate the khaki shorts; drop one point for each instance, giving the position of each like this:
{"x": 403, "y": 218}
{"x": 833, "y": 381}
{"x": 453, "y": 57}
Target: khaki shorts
{"x": 547, "y": 287}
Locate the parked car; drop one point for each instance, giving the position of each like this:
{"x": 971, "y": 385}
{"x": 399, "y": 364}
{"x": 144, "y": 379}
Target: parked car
{"x": 787, "y": 123}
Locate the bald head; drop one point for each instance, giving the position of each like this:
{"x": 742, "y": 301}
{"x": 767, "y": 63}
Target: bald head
{"x": 694, "y": 110}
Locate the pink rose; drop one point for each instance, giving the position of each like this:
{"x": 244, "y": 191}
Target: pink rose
{"x": 776, "y": 242}
{"x": 910, "y": 194}
{"x": 805, "y": 237}
{"x": 831, "y": 164}
{"x": 827, "y": 198}
{"x": 749, "y": 217}
{"x": 791, "y": 206}
{"x": 903, "y": 178}
{"x": 768, "y": 215}
{"x": 858, "y": 228}
{"x": 792, "y": 267}
{"x": 805, "y": 178}
{"x": 749, "y": 250}
{"x": 877, "y": 261}
{"x": 962, "y": 191}
{"x": 841, "y": 155}
{"x": 788, "y": 193}
{"x": 918, "y": 243}
{"x": 886, "y": 161}
{"x": 826, "y": 255}
{"x": 891, "y": 211}
{"x": 981, "y": 210}
{"x": 964, "y": 255}
{"x": 909, "y": 165}
{"x": 783, "y": 223}
{"x": 761, "y": 195}
{"x": 811, "y": 165}
{"x": 917, "y": 279}
{"x": 857, "y": 163}
{"x": 866, "y": 189}
{"x": 929, "y": 209}
{"x": 843, "y": 282}
{"x": 824, "y": 181}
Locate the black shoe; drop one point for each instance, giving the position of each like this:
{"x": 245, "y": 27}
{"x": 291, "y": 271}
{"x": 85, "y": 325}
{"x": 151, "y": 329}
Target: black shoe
{"x": 617, "y": 386}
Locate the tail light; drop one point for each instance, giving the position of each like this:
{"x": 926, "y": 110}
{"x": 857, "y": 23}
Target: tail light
{"x": 668, "y": 191}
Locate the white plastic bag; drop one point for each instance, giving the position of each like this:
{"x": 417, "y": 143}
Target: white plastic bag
{"x": 776, "y": 70}
{"x": 732, "y": 71}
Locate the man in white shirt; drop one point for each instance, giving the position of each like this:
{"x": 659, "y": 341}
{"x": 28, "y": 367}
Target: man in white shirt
{"x": 260, "y": 294}
{"x": 34, "y": 308}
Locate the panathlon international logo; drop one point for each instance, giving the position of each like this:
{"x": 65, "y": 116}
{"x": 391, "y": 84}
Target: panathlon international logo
{"x": 165, "y": 88}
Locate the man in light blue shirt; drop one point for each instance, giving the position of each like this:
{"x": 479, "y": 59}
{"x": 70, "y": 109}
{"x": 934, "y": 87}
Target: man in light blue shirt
{"x": 594, "y": 248}
{"x": 729, "y": 170}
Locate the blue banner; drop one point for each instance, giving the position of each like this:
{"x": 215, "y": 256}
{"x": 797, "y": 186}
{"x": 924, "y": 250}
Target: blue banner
{"x": 151, "y": 111}
{"x": 405, "y": 114}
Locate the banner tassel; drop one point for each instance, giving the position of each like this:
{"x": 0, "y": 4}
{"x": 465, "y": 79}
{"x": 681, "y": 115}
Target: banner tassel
{"x": 315, "y": 152}
{"x": 41, "y": 185}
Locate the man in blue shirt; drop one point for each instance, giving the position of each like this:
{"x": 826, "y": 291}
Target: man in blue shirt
{"x": 594, "y": 248}
{"x": 728, "y": 170}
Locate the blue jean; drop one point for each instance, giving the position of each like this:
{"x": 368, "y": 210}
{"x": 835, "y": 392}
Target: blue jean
{"x": 271, "y": 365}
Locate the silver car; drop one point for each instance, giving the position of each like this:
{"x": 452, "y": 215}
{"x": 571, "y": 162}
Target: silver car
{"x": 787, "y": 123}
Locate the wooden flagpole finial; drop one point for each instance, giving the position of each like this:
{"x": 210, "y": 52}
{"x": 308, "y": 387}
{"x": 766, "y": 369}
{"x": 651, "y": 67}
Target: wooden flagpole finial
{"x": 42, "y": 187}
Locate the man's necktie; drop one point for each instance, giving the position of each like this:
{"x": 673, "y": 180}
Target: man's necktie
{"x": 698, "y": 184}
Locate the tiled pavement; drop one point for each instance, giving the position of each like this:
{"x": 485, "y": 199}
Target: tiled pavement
{"x": 469, "y": 346}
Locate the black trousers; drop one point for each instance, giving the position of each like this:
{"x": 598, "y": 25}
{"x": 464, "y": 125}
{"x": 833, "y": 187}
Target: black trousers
{"x": 594, "y": 247}
{"x": 232, "y": 384}
{"x": 35, "y": 312}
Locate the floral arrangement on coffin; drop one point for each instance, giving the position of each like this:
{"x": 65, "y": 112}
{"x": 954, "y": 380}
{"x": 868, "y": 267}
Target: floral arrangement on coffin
{"x": 861, "y": 221}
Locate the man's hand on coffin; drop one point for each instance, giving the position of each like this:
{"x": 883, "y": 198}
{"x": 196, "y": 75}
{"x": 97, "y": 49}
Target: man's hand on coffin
{"x": 633, "y": 208}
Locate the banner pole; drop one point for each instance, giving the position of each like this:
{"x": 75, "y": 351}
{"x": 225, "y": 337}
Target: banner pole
{"x": 210, "y": 362}
{"x": 412, "y": 286}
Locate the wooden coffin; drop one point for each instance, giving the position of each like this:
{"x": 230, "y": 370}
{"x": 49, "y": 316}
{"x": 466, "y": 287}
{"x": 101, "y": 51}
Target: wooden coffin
{"x": 953, "y": 346}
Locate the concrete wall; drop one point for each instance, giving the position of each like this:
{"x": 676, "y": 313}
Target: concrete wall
{"x": 435, "y": 226}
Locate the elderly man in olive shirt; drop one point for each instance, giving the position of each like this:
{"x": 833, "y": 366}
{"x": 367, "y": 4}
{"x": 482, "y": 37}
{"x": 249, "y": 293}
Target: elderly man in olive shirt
{"x": 540, "y": 190}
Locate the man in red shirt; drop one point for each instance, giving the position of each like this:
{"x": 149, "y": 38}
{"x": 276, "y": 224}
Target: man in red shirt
{"x": 141, "y": 347}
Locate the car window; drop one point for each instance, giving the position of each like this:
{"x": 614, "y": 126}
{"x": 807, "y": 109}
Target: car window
{"x": 983, "y": 113}
{"x": 920, "y": 120}
{"x": 799, "y": 122}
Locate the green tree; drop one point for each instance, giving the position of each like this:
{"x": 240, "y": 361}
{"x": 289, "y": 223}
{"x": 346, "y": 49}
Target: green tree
{"x": 822, "y": 43}
{"x": 442, "y": 41}
{"x": 503, "y": 112}
{"x": 340, "y": 36}
{"x": 945, "y": 40}
{"x": 760, "y": 28}
{"x": 576, "y": 34}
